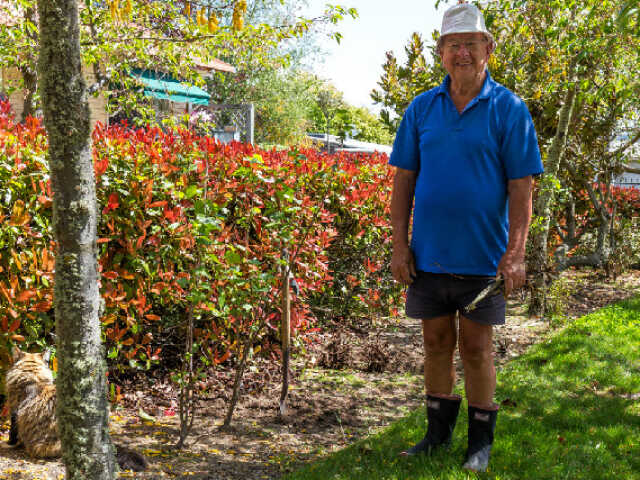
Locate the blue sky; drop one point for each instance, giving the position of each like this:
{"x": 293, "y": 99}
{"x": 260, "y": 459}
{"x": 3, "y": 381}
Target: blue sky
{"x": 355, "y": 65}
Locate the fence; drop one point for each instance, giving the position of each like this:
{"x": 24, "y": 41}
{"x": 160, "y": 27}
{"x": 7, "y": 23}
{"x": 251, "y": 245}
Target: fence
{"x": 233, "y": 121}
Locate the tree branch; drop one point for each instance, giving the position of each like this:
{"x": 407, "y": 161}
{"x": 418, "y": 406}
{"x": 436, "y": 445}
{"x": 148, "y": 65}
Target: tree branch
{"x": 625, "y": 145}
{"x": 192, "y": 39}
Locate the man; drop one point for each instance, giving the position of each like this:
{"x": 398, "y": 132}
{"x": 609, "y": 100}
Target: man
{"x": 465, "y": 154}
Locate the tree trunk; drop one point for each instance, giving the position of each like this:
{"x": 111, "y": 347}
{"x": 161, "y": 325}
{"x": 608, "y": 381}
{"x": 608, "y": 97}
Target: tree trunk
{"x": 29, "y": 77}
{"x": 82, "y": 408}
{"x": 540, "y": 234}
{"x": 29, "y": 80}
{"x": 242, "y": 362}
{"x": 604, "y": 243}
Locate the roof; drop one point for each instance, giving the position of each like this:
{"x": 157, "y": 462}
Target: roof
{"x": 163, "y": 86}
{"x": 215, "y": 64}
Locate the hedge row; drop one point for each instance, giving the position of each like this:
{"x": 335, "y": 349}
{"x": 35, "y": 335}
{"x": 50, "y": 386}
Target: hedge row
{"x": 191, "y": 227}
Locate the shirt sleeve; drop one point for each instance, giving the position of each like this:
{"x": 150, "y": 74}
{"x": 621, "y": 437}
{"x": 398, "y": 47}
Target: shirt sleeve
{"x": 406, "y": 146}
{"x": 519, "y": 149}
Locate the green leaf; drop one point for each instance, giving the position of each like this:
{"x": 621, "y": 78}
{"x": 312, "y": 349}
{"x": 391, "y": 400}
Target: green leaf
{"x": 192, "y": 191}
{"x": 232, "y": 257}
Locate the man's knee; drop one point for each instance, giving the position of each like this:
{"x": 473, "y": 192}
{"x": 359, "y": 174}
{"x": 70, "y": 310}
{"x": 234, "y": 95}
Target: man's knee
{"x": 476, "y": 350}
{"x": 439, "y": 340}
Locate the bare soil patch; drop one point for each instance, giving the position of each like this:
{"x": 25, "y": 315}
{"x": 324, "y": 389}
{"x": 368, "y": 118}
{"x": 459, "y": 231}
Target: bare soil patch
{"x": 350, "y": 383}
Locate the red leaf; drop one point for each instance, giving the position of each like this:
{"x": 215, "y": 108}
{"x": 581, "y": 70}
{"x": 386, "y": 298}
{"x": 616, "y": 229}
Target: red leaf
{"x": 42, "y": 306}
{"x": 110, "y": 275}
{"x": 112, "y": 203}
{"x": 25, "y": 295}
{"x": 222, "y": 358}
{"x": 6, "y": 294}
{"x": 14, "y": 326}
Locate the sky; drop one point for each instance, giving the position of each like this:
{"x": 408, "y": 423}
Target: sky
{"x": 355, "y": 65}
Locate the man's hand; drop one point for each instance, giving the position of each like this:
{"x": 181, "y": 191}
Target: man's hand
{"x": 511, "y": 264}
{"x": 514, "y": 272}
{"x": 403, "y": 265}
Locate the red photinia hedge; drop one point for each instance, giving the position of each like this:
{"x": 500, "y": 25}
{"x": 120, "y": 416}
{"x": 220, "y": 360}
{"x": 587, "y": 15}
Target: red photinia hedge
{"x": 626, "y": 201}
{"x": 192, "y": 227}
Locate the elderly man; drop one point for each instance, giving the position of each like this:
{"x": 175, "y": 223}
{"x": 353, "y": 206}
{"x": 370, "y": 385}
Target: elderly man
{"x": 465, "y": 154}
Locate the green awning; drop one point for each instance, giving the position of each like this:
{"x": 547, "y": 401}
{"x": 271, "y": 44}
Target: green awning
{"x": 163, "y": 86}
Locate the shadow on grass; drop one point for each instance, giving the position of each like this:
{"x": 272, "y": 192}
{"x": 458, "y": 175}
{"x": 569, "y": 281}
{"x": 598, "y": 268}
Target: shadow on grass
{"x": 570, "y": 411}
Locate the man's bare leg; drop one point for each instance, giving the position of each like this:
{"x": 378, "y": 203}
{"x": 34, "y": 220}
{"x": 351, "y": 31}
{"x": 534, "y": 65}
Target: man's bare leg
{"x": 476, "y": 350}
{"x": 439, "y": 336}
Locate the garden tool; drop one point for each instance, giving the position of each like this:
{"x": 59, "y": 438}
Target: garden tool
{"x": 494, "y": 287}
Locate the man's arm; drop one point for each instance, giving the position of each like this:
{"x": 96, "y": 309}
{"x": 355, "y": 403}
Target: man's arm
{"x": 512, "y": 265}
{"x": 402, "y": 262}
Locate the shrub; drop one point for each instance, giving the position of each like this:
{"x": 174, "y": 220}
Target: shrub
{"x": 190, "y": 227}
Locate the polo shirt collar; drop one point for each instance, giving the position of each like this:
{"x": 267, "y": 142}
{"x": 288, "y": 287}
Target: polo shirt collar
{"x": 485, "y": 92}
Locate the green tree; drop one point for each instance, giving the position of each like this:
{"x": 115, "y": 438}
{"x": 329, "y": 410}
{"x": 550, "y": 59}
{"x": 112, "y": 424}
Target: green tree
{"x": 82, "y": 409}
{"x": 281, "y": 97}
{"x": 172, "y": 37}
{"x": 329, "y": 101}
{"x": 577, "y": 66}
{"x": 354, "y": 122}
{"x": 399, "y": 85}
{"x": 360, "y": 124}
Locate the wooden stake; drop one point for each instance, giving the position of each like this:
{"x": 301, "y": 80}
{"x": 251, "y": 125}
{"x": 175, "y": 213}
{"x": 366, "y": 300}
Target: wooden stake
{"x": 285, "y": 333}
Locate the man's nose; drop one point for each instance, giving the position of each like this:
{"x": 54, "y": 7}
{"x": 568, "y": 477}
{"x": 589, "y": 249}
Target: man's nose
{"x": 463, "y": 50}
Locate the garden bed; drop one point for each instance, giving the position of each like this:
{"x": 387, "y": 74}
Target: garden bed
{"x": 329, "y": 408}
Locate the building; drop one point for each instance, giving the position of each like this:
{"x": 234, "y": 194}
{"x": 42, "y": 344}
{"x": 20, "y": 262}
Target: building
{"x": 169, "y": 95}
{"x": 630, "y": 178}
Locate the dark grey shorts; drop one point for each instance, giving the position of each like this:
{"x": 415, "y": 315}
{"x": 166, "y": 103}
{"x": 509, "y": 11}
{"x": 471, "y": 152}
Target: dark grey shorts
{"x": 437, "y": 294}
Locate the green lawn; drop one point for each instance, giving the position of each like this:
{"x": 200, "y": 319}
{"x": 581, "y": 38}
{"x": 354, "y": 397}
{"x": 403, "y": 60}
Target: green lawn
{"x": 568, "y": 412}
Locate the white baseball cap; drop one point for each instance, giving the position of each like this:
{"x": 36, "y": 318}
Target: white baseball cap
{"x": 464, "y": 18}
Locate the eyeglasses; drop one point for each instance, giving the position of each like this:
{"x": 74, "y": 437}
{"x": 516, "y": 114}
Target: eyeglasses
{"x": 469, "y": 46}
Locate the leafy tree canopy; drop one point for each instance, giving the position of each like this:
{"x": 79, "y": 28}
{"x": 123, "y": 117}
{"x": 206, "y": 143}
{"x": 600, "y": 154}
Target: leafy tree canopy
{"x": 118, "y": 36}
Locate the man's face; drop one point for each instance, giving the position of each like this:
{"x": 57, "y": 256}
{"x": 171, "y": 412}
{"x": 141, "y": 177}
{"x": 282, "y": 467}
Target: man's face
{"x": 465, "y": 55}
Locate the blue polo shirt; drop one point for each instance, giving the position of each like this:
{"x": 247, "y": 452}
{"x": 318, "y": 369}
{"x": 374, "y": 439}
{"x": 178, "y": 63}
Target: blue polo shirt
{"x": 464, "y": 162}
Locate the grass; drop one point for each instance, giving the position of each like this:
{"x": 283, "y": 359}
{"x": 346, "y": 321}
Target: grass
{"x": 567, "y": 413}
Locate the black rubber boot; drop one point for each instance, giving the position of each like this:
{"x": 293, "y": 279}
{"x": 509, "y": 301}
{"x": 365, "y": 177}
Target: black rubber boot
{"x": 482, "y": 424}
{"x": 441, "y": 416}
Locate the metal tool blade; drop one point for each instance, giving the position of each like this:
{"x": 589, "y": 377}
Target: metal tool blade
{"x": 498, "y": 285}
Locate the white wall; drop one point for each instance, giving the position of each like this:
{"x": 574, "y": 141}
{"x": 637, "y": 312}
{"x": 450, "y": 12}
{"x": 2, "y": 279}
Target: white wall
{"x": 629, "y": 179}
